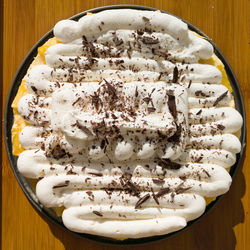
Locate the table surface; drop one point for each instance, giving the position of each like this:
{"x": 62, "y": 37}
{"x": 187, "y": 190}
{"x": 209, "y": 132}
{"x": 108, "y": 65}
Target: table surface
{"x": 227, "y": 226}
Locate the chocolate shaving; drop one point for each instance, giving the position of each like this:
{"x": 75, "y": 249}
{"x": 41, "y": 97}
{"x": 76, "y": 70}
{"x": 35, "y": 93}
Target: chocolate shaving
{"x": 175, "y": 75}
{"x": 109, "y": 191}
{"x": 145, "y": 19}
{"x": 127, "y": 176}
{"x": 111, "y": 89}
{"x": 89, "y": 47}
{"x": 36, "y": 100}
{"x": 172, "y": 195}
{"x": 199, "y": 159}
{"x": 89, "y": 193}
{"x": 160, "y": 52}
{"x": 147, "y": 99}
{"x": 176, "y": 137}
{"x": 77, "y": 100}
{"x": 140, "y": 32}
{"x": 95, "y": 100}
{"x": 148, "y": 30}
{"x": 142, "y": 200}
{"x": 35, "y": 114}
{"x": 159, "y": 77}
{"x": 117, "y": 62}
{"x": 136, "y": 92}
{"x": 65, "y": 184}
{"x": 132, "y": 187}
{"x": 200, "y": 93}
{"x": 34, "y": 88}
{"x": 199, "y": 112}
{"x": 162, "y": 192}
{"x": 103, "y": 143}
{"x": 183, "y": 177}
{"x": 58, "y": 152}
{"x": 151, "y": 109}
{"x": 154, "y": 197}
{"x": 71, "y": 172}
{"x": 166, "y": 163}
{"x": 158, "y": 181}
{"x": 97, "y": 213}
{"x": 83, "y": 128}
{"x": 181, "y": 190}
{"x": 149, "y": 40}
{"x": 172, "y": 105}
{"x": 220, "y": 127}
{"x": 117, "y": 41}
{"x": 220, "y": 98}
{"x": 128, "y": 53}
{"x": 57, "y": 84}
{"x": 205, "y": 171}
{"x": 100, "y": 129}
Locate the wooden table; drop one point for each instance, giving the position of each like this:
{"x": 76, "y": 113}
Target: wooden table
{"x": 227, "y": 226}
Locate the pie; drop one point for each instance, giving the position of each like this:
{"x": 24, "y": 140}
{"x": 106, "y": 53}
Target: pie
{"x": 127, "y": 121}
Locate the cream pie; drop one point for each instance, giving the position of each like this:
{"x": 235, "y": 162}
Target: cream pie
{"x": 127, "y": 121}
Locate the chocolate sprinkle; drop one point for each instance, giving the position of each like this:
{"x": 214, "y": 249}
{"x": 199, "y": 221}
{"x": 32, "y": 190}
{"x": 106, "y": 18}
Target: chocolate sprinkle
{"x": 142, "y": 200}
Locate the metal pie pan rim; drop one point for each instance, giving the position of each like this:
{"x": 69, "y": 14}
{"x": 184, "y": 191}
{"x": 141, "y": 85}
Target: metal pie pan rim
{"x": 23, "y": 182}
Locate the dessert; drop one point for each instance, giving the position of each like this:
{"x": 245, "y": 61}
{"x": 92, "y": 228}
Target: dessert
{"x": 126, "y": 124}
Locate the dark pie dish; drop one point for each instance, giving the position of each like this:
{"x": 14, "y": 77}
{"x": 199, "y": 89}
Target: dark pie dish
{"x": 24, "y": 183}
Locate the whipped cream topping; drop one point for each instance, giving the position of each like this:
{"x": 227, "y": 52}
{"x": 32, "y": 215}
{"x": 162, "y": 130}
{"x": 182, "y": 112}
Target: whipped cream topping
{"x": 127, "y": 130}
